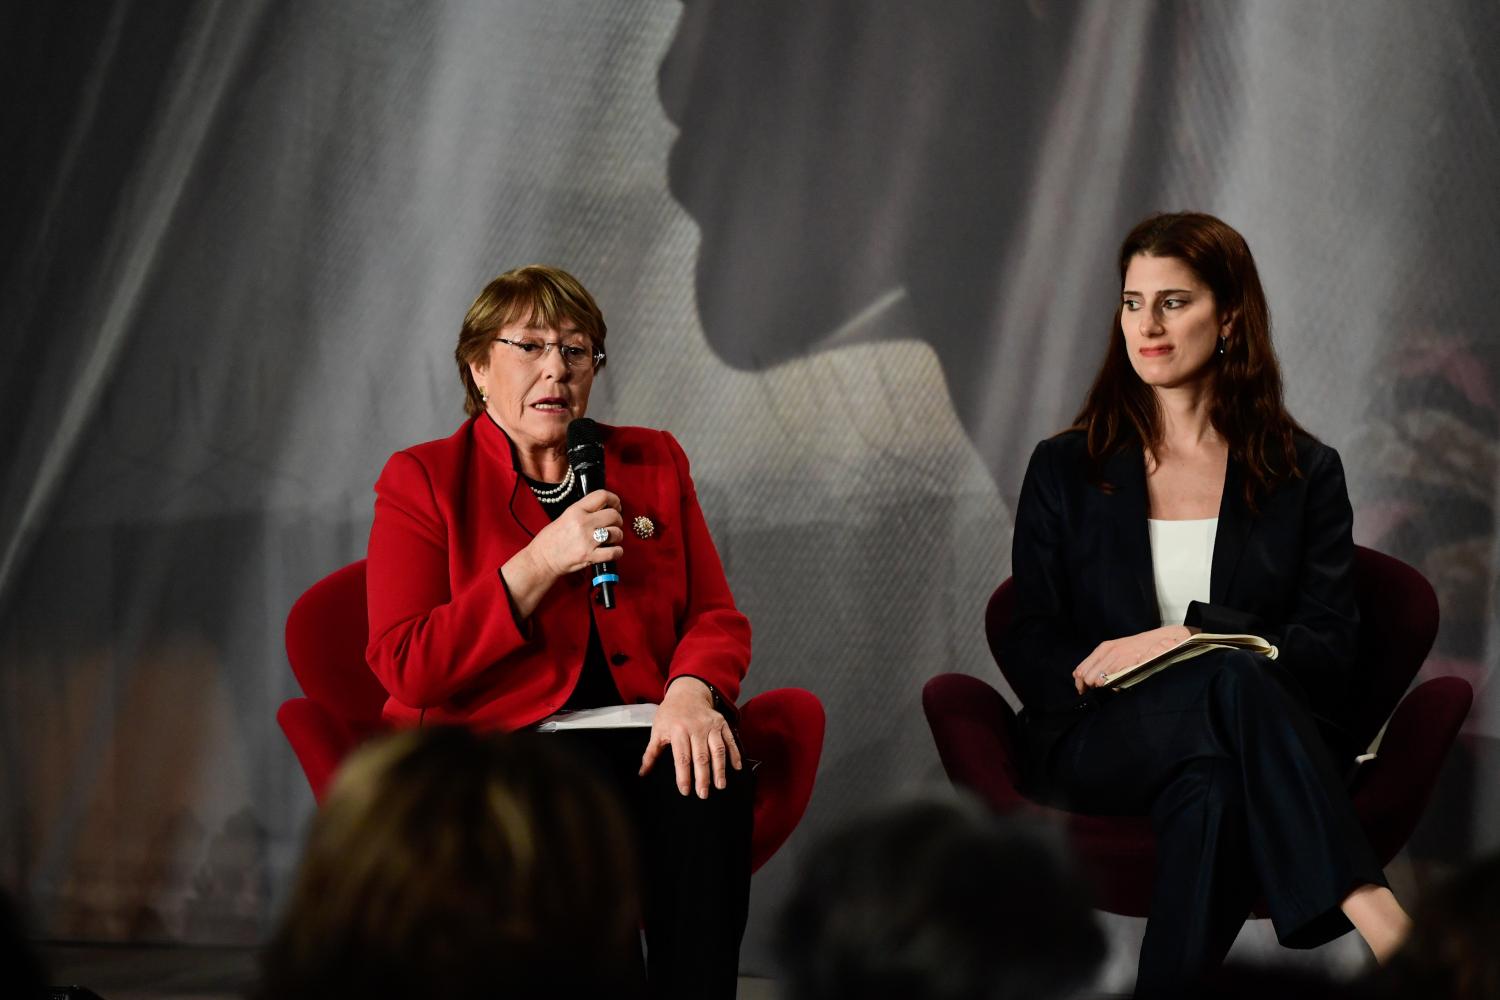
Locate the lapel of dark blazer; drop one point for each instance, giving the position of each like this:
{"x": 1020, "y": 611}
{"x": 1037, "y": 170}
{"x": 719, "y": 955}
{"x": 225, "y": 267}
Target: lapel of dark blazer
{"x": 1235, "y": 522}
{"x": 1126, "y": 471}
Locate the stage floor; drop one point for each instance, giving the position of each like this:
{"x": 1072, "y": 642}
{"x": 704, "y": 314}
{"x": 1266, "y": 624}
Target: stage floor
{"x": 134, "y": 972}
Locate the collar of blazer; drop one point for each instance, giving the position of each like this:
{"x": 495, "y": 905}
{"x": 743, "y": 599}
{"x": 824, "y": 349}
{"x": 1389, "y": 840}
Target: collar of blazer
{"x": 1126, "y": 469}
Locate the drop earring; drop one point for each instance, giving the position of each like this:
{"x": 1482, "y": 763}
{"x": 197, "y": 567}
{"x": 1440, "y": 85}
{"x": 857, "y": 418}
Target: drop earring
{"x": 1222, "y": 342}
{"x": 484, "y": 396}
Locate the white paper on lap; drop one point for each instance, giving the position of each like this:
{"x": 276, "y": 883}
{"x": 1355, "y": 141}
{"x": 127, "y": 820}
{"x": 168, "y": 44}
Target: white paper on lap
{"x": 608, "y": 717}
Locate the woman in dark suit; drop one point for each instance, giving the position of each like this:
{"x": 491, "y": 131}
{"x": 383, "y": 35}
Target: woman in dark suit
{"x": 1185, "y": 499}
{"x": 480, "y": 608}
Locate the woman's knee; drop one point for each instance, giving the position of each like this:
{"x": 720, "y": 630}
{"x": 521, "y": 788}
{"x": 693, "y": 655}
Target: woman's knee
{"x": 1242, "y": 674}
{"x": 1206, "y": 787}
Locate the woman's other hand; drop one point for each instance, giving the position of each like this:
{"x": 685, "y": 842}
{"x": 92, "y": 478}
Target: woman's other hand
{"x": 703, "y": 745}
{"x": 565, "y": 546}
{"x": 1116, "y": 654}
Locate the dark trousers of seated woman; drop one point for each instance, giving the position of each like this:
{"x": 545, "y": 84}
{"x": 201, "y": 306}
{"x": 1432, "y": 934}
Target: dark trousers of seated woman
{"x": 695, "y": 863}
{"x": 1244, "y": 797}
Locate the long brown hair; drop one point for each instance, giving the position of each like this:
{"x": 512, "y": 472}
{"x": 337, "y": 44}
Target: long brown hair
{"x": 1247, "y": 407}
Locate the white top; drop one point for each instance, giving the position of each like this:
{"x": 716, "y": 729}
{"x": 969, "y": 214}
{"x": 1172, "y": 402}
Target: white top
{"x": 1182, "y": 559}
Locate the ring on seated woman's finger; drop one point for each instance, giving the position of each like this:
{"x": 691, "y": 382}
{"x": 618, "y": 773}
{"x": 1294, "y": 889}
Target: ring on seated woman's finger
{"x": 601, "y": 535}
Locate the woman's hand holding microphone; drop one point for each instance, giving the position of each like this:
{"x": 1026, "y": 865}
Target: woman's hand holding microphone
{"x": 565, "y": 546}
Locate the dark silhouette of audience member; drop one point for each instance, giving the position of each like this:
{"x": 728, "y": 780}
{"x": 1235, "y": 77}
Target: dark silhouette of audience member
{"x": 938, "y": 901}
{"x": 1453, "y": 950}
{"x": 447, "y": 863}
{"x": 21, "y": 971}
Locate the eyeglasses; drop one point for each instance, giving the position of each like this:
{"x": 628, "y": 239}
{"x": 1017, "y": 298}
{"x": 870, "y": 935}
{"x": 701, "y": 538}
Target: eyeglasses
{"x": 574, "y": 356}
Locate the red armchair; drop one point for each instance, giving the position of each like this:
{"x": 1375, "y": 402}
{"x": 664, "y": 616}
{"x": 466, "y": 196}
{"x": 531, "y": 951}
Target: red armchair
{"x": 974, "y": 728}
{"x": 326, "y": 634}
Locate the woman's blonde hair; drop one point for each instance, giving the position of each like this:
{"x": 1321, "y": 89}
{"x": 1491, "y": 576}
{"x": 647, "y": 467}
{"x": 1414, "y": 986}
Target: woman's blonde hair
{"x": 537, "y": 294}
{"x": 446, "y": 862}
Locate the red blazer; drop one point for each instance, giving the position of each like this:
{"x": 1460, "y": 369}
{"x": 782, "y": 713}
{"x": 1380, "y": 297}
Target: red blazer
{"x": 444, "y": 641}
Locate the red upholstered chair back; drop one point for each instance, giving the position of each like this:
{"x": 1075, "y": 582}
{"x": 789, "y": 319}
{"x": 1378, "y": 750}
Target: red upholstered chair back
{"x": 326, "y": 632}
{"x": 1398, "y": 621}
{"x": 997, "y": 615}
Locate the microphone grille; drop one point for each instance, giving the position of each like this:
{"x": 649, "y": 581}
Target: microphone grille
{"x": 582, "y": 432}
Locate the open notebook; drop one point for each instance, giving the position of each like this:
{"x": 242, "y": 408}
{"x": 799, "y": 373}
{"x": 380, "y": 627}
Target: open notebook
{"x": 1193, "y": 645}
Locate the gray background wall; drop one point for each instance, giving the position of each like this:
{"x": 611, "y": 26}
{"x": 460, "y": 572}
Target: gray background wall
{"x": 855, "y": 255}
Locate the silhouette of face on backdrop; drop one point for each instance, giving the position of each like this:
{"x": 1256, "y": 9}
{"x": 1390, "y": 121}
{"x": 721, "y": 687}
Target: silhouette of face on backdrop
{"x": 861, "y": 171}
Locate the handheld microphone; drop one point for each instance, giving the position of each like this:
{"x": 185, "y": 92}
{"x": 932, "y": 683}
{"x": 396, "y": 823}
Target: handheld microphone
{"x": 586, "y": 456}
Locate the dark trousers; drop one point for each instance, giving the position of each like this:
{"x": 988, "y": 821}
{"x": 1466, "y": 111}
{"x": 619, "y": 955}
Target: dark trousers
{"x": 1244, "y": 797}
{"x": 695, "y": 863}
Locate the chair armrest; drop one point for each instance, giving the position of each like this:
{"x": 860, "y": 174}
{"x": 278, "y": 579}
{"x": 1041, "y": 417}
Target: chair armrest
{"x": 320, "y": 739}
{"x": 973, "y": 726}
{"x": 1393, "y": 789}
{"x": 783, "y": 729}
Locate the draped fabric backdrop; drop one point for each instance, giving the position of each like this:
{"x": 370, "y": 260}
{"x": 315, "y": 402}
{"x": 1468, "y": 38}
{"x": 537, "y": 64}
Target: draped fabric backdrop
{"x": 855, "y": 255}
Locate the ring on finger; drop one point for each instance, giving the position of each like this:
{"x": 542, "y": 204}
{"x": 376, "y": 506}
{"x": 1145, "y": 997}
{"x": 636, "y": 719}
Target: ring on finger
{"x": 601, "y": 535}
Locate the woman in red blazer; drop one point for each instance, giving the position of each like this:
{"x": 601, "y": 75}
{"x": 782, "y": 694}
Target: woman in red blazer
{"x": 481, "y": 612}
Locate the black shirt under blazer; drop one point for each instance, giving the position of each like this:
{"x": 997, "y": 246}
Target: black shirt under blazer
{"x": 1081, "y": 559}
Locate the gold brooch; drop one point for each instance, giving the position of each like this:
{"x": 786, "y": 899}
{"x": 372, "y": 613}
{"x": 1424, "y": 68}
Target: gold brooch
{"x": 643, "y": 526}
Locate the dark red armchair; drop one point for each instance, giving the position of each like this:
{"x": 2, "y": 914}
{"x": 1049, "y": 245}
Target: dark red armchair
{"x": 974, "y": 727}
{"x": 326, "y": 633}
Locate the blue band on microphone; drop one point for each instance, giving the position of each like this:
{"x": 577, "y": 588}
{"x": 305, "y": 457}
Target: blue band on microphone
{"x": 605, "y": 578}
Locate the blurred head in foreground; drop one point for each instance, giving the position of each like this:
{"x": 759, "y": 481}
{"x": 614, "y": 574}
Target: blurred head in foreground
{"x": 447, "y": 863}
{"x": 1454, "y": 946}
{"x": 938, "y": 900}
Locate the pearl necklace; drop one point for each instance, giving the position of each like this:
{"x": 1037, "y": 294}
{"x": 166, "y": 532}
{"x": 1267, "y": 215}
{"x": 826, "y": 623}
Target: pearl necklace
{"x": 558, "y": 493}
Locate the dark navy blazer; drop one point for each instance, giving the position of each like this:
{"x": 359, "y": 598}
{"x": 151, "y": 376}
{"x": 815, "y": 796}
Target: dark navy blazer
{"x": 1081, "y": 559}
